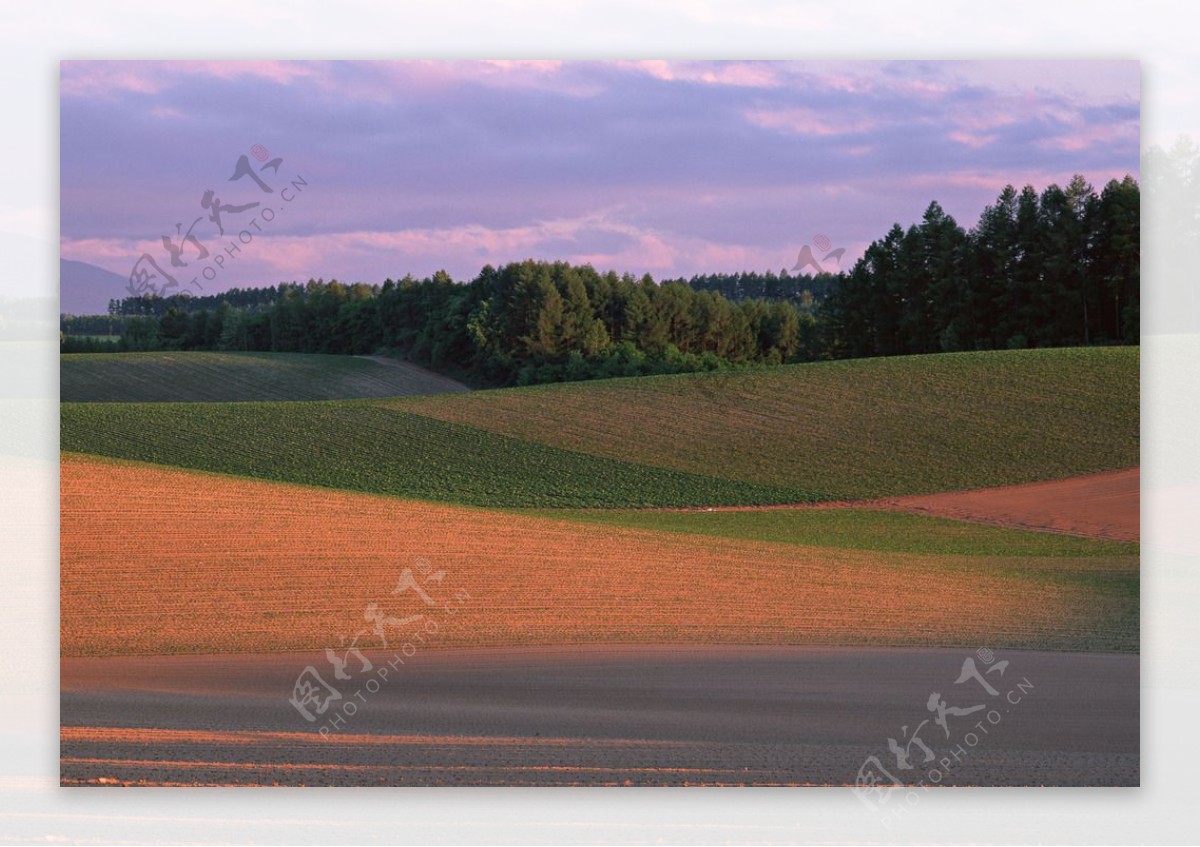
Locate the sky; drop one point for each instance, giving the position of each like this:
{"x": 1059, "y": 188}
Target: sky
{"x": 673, "y": 168}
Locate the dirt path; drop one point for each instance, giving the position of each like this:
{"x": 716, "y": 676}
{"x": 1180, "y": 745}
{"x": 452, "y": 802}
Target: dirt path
{"x": 1101, "y": 505}
{"x": 605, "y": 715}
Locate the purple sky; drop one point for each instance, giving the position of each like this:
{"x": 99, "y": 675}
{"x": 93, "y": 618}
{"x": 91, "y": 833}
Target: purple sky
{"x": 673, "y": 168}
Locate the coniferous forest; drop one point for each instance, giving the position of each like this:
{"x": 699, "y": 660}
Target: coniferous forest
{"x": 1054, "y": 269}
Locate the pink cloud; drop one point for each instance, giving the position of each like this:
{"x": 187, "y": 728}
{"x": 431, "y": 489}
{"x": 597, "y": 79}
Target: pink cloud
{"x": 738, "y": 74}
{"x": 114, "y": 254}
{"x": 1085, "y": 137}
{"x": 991, "y": 114}
{"x": 544, "y": 74}
{"x": 649, "y": 253}
{"x": 990, "y": 182}
{"x": 273, "y": 258}
{"x": 97, "y": 78}
{"x": 545, "y": 66}
{"x": 91, "y": 79}
{"x": 282, "y": 72}
{"x": 657, "y": 68}
{"x": 924, "y": 87}
{"x": 378, "y": 81}
{"x": 727, "y": 257}
{"x": 971, "y": 139}
{"x": 843, "y": 82}
{"x": 753, "y": 75}
{"x": 804, "y": 121}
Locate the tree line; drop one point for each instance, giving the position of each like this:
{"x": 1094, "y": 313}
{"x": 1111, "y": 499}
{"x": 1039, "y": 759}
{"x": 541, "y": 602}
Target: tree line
{"x": 1050, "y": 270}
{"x": 1058, "y": 268}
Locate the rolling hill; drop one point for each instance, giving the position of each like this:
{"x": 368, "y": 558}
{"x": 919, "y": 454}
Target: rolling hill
{"x": 827, "y": 431}
{"x": 854, "y": 529}
{"x": 362, "y": 446}
{"x": 258, "y": 526}
{"x": 157, "y": 560}
{"x": 850, "y": 429}
{"x": 216, "y": 377}
{"x": 86, "y": 289}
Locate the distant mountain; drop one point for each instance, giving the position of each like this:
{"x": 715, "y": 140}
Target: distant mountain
{"x": 86, "y": 289}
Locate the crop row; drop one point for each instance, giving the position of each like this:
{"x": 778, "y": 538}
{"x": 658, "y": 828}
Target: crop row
{"x": 852, "y": 429}
{"x": 359, "y": 446}
{"x": 157, "y": 560}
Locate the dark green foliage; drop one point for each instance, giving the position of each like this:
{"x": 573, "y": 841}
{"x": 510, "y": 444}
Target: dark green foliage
{"x": 1050, "y": 270}
{"x": 88, "y": 343}
{"x": 1058, "y": 269}
{"x": 93, "y": 325}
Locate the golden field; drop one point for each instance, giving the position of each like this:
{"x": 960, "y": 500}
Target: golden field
{"x": 159, "y": 561}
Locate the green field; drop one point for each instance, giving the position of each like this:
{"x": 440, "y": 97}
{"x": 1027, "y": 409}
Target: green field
{"x": 855, "y": 429}
{"x": 825, "y": 431}
{"x": 856, "y": 529}
{"x": 226, "y": 377}
{"x": 607, "y": 452}
{"x": 363, "y": 446}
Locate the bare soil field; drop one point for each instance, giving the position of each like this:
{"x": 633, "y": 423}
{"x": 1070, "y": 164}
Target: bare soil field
{"x": 162, "y": 561}
{"x": 1102, "y": 505}
{"x": 600, "y": 715}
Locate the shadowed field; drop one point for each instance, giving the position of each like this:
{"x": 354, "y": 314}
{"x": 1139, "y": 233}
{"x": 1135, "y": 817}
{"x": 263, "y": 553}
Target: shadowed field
{"x": 212, "y": 377}
{"x": 600, "y": 716}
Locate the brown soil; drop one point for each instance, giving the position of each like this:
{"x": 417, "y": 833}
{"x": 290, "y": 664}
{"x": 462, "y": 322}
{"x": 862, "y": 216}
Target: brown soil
{"x": 157, "y": 560}
{"x": 1103, "y": 505}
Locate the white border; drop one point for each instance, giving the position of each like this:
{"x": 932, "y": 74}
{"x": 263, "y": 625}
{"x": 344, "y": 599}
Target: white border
{"x": 34, "y": 39}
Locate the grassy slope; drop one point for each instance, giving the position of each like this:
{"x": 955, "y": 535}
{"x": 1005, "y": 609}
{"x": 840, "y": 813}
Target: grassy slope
{"x": 290, "y": 573}
{"x": 847, "y": 429}
{"x": 215, "y": 377}
{"x": 360, "y": 446}
{"x": 855, "y": 529}
{"x": 855, "y": 429}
